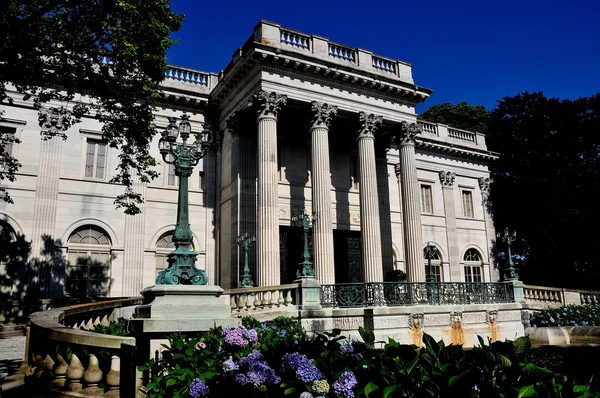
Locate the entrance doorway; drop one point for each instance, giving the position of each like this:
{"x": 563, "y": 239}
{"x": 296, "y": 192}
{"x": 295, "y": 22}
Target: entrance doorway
{"x": 347, "y": 256}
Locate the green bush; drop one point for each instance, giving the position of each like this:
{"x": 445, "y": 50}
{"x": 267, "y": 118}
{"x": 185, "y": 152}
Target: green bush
{"x": 277, "y": 359}
{"x": 569, "y": 315}
{"x": 114, "y": 328}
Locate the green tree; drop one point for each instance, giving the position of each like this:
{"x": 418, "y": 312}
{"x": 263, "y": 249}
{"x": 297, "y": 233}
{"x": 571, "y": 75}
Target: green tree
{"x": 111, "y": 51}
{"x": 461, "y": 116}
{"x": 547, "y": 184}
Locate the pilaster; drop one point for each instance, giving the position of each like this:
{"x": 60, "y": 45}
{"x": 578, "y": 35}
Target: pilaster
{"x": 369, "y": 202}
{"x": 44, "y": 209}
{"x": 447, "y": 180}
{"x": 133, "y": 261}
{"x": 268, "y": 106}
{"x": 406, "y": 171}
{"x": 323, "y": 258}
{"x": 491, "y": 274}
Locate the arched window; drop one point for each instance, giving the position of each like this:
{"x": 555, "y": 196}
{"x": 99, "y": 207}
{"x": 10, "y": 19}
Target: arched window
{"x": 7, "y": 240}
{"x": 436, "y": 265}
{"x": 164, "y": 246}
{"x": 473, "y": 263}
{"x": 88, "y": 268}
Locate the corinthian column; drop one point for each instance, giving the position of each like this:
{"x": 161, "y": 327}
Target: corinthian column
{"x": 369, "y": 203}
{"x": 321, "y": 193}
{"x": 406, "y": 171}
{"x": 490, "y": 274}
{"x": 267, "y": 239}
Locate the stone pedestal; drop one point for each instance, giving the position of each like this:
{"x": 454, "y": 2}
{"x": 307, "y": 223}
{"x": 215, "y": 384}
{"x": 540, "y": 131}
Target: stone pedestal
{"x": 308, "y": 296}
{"x": 182, "y": 308}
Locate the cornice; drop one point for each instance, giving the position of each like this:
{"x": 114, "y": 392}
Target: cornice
{"x": 457, "y": 150}
{"x": 318, "y": 72}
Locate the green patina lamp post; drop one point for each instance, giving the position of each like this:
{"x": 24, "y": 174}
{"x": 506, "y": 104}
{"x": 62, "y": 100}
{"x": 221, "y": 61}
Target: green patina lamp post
{"x": 182, "y": 269}
{"x": 430, "y": 251}
{"x": 303, "y": 220}
{"x": 510, "y": 273}
{"x": 244, "y": 241}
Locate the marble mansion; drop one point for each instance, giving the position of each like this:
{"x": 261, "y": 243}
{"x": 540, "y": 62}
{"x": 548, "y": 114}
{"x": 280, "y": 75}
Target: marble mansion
{"x": 303, "y": 123}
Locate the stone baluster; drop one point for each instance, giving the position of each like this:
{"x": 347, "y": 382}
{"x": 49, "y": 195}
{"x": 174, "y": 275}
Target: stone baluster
{"x": 288, "y": 298}
{"x": 321, "y": 192}
{"x": 48, "y": 366}
{"x": 232, "y": 302}
{"x": 411, "y": 202}
{"x": 93, "y": 375}
{"x": 113, "y": 378}
{"x": 74, "y": 374}
{"x": 268, "y": 106}
{"x": 60, "y": 371}
{"x": 372, "y": 262}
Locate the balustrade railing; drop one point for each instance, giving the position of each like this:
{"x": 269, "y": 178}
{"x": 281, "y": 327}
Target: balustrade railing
{"x": 383, "y": 64}
{"x": 62, "y": 357}
{"x": 462, "y": 135}
{"x": 543, "y": 294}
{"x": 428, "y": 128}
{"x": 295, "y": 39}
{"x": 342, "y": 52}
{"x": 187, "y": 76}
{"x": 257, "y": 298}
{"x": 409, "y": 293}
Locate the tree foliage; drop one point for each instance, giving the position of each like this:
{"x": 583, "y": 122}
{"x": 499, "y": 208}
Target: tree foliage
{"x": 104, "y": 58}
{"x": 547, "y": 183}
{"x": 461, "y": 116}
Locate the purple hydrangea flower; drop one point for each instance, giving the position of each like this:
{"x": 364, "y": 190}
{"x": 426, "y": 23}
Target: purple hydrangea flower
{"x": 256, "y": 371}
{"x": 240, "y": 336}
{"x": 230, "y": 365}
{"x": 198, "y": 389}
{"x": 345, "y": 384}
{"x": 302, "y": 366}
{"x": 282, "y": 333}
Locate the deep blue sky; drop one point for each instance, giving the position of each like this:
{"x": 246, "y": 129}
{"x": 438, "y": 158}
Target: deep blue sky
{"x": 474, "y": 51}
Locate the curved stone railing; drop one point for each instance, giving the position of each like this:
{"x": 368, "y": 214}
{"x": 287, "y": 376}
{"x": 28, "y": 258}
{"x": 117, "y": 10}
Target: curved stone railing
{"x": 65, "y": 359}
{"x": 544, "y": 295}
{"x": 260, "y": 298}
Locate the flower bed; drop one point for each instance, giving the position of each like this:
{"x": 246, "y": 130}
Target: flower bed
{"x": 276, "y": 359}
{"x": 569, "y": 315}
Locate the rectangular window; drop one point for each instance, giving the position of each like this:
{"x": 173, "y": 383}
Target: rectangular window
{"x": 426, "y": 199}
{"x": 95, "y": 161}
{"x": 6, "y": 134}
{"x": 172, "y": 178}
{"x": 473, "y": 274}
{"x": 354, "y": 173}
{"x": 202, "y": 177}
{"x": 467, "y": 203}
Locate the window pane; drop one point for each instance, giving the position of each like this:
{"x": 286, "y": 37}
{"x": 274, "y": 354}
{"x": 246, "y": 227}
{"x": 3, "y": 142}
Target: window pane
{"x": 100, "y": 159}
{"x": 467, "y": 204}
{"x": 172, "y": 180}
{"x": 426, "y": 200}
{"x": 89, "y": 160}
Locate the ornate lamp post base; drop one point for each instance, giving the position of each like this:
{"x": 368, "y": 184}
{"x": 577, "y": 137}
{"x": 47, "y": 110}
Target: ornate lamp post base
{"x": 182, "y": 270}
{"x": 306, "y": 270}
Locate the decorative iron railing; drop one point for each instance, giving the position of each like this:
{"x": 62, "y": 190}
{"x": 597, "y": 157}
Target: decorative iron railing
{"x": 408, "y": 293}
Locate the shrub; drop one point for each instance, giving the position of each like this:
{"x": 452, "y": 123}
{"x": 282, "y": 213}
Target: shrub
{"x": 569, "y": 315}
{"x": 114, "y": 328}
{"x": 276, "y": 359}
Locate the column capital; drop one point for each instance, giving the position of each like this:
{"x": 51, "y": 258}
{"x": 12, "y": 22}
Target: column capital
{"x": 407, "y": 133}
{"x": 322, "y": 114}
{"x": 267, "y": 104}
{"x": 233, "y": 125}
{"x": 369, "y": 123}
{"x": 484, "y": 184}
{"x": 447, "y": 178}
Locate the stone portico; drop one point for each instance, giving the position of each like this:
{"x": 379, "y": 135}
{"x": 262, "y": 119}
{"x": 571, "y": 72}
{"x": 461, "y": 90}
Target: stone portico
{"x": 303, "y": 123}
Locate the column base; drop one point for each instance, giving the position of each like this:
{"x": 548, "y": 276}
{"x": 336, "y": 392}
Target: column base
{"x": 309, "y": 294}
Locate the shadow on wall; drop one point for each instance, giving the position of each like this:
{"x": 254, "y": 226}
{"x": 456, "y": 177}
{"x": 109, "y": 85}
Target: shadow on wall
{"x": 27, "y": 279}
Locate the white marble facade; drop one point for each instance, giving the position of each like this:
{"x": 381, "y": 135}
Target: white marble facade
{"x": 325, "y": 120}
